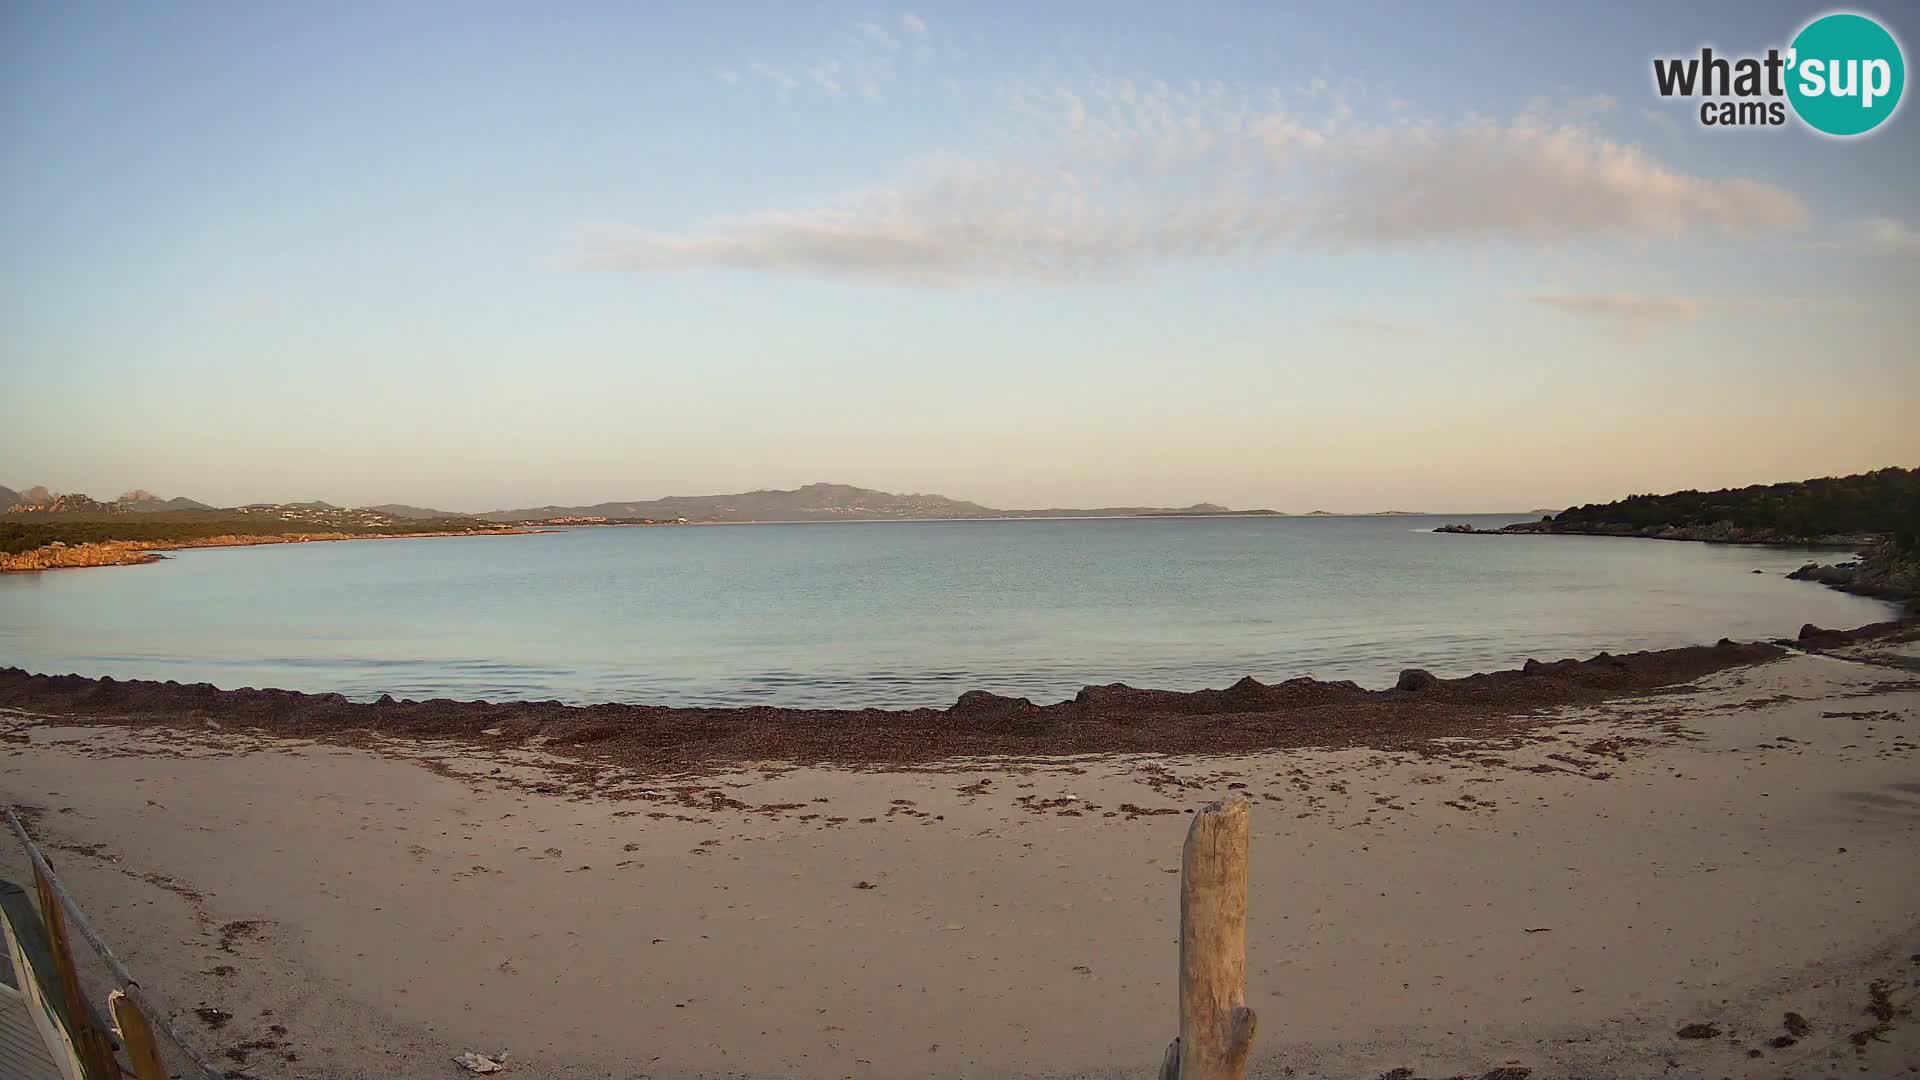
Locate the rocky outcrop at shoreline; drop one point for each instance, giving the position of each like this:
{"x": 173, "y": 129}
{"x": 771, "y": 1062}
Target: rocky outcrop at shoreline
{"x": 59, "y": 556}
{"x": 1882, "y": 568}
{"x": 1721, "y": 533}
{"x": 73, "y": 556}
{"x": 1882, "y": 571}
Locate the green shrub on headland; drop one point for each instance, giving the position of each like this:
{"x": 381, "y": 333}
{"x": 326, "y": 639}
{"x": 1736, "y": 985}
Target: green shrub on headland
{"x": 1885, "y": 502}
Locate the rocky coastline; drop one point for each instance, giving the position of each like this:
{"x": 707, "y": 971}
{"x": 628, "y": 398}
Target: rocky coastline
{"x": 1881, "y": 571}
{"x": 1880, "y": 568}
{"x": 1246, "y": 717}
{"x": 1720, "y": 533}
{"x": 59, "y": 556}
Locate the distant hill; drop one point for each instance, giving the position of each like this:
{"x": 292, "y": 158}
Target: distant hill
{"x": 137, "y": 501}
{"x": 814, "y": 502}
{"x": 157, "y": 505}
{"x": 62, "y": 504}
{"x": 821, "y": 502}
{"x": 817, "y": 502}
{"x": 409, "y": 513}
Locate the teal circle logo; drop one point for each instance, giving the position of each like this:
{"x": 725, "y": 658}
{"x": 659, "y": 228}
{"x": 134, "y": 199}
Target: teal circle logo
{"x": 1845, "y": 74}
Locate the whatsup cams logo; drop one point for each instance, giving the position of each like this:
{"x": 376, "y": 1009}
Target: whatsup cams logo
{"x": 1842, "y": 75}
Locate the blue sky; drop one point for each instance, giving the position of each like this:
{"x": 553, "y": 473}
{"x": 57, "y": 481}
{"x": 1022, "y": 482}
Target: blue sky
{"x": 1350, "y": 256}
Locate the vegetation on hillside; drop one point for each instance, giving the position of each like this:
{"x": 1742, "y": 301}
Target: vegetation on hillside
{"x": 31, "y": 532}
{"x": 1884, "y": 502}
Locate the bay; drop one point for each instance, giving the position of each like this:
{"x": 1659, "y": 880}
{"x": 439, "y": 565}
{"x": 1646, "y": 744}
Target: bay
{"x": 897, "y": 614}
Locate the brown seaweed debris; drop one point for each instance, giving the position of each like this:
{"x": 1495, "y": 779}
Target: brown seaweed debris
{"x": 1248, "y": 716}
{"x": 233, "y": 933}
{"x": 1698, "y": 1031}
{"x": 1880, "y": 1006}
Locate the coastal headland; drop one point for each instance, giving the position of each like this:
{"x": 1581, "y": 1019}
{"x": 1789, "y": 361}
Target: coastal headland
{"x": 1876, "y": 514}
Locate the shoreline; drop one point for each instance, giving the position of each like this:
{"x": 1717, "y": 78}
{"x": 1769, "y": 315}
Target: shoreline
{"x": 140, "y": 552}
{"x": 1709, "y": 879}
{"x": 1730, "y": 536}
{"x": 1879, "y": 569}
{"x": 1418, "y": 714}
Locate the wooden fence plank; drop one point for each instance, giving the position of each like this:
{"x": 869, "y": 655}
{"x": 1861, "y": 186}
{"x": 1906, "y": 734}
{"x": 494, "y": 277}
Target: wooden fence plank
{"x": 90, "y": 1044}
{"x": 137, "y": 1036}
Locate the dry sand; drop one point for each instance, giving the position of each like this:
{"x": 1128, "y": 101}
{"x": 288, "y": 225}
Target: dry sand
{"x": 1565, "y": 901}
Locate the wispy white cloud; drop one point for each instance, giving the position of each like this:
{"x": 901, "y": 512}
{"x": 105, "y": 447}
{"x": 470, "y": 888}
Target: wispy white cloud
{"x": 966, "y": 223}
{"x": 878, "y": 35}
{"x": 860, "y": 66}
{"x": 1532, "y": 183}
{"x": 913, "y": 24}
{"x": 1628, "y": 317}
{"x": 1661, "y": 120}
{"x": 1378, "y": 325}
{"x": 1571, "y": 110}
{"x": 1093, "y": 176}
{"x": 1636, "y": 316}
{"x": 1887, "y": 236}
{"x": 1630, "y": 313}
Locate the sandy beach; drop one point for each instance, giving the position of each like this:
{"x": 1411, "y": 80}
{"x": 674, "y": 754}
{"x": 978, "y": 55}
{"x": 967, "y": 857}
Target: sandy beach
{"x": 1567, "y": 896}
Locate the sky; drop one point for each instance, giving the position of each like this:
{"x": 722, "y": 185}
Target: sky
{"x": 1348, "y": 256}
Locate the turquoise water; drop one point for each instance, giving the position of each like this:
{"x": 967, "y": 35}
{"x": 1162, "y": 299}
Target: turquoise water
{"x": 895, "y": 614}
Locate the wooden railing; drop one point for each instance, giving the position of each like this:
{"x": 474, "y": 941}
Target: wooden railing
{"x": 82, "y": 1044}
{"x": 1216, "y": 1027}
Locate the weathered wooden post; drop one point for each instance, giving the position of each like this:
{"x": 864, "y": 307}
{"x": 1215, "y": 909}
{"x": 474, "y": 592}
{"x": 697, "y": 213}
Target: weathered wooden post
{"x": 1216, "y": 1027}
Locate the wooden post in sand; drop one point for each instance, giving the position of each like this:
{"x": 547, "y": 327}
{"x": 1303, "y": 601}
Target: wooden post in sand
{"x": 1216, "y": 1027}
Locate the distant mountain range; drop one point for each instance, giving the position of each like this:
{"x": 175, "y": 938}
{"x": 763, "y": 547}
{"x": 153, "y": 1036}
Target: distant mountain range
{"x": 814, "y": 502}
{"x": 39, "y": 499}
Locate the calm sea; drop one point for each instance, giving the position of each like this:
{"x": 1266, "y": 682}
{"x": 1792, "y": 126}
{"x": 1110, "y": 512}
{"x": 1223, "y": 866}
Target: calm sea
{"x": 895, "y": 614}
